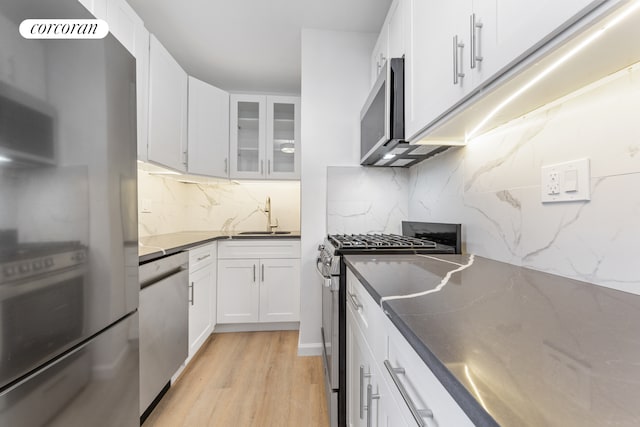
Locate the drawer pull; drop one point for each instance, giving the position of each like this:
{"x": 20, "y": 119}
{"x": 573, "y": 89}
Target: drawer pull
{"x": 354, "y": 301}
{"x": 362, "y": 377}
{"x": 370, "y": 398}
{"x": 203, "y": 257}
{"x": 418, "y": 414}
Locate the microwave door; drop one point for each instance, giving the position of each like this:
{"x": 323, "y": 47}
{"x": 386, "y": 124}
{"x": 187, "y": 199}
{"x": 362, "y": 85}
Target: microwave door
{"x": 375, "y": 116}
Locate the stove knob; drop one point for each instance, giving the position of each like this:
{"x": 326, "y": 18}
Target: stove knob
{"x": 320, "y": 247}
{"x": 37, "y": 265}
{"x": 24, "y": 268}
{"x": 9, "y": 271}
{"x": 48, "y": 262}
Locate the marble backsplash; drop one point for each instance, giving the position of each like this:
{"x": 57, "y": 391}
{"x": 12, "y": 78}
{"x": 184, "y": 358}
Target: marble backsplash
{"x": 492, "y": 186}
{"x": 366, "y": 200}
{"x": 213, "y": 205}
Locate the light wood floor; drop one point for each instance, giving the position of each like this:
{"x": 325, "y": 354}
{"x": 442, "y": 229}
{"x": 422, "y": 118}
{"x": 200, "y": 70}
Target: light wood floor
{"x": 246, "y": 379}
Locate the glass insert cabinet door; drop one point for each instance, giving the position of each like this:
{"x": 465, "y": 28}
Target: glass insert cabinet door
{"x": 265, "y": 136}
{"x": 283, "y": 137}
{"x": 248, "y": 132}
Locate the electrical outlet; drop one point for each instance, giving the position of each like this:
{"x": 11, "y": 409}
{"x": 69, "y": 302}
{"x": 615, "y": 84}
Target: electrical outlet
{"x": 145, "y": 206}
{"x": 566, "y": 182}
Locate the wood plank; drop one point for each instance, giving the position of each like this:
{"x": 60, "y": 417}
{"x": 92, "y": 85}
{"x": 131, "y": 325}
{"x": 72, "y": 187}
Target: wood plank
{"x": 246, "y": 379}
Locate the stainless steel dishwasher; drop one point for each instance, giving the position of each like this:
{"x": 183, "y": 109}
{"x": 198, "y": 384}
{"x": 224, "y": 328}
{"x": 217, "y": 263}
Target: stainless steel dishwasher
{"x": 164, "y": 325}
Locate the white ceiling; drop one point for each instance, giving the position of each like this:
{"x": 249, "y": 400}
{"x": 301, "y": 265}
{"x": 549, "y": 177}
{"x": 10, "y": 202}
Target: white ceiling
{"x": 250, "y": 45}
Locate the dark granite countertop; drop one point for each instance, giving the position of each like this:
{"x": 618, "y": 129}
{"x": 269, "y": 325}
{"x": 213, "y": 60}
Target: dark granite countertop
{"x": 514, "y": 346}
{"x": 154, "y": 247}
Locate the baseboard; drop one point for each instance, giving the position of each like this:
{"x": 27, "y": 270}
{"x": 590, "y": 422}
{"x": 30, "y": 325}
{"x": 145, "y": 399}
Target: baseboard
{"x": 253, "y": 327}
{"x": 310, "y": 349}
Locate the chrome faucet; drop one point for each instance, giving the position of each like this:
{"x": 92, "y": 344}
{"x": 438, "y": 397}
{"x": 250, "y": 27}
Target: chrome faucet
{"x": 267, "y": 210}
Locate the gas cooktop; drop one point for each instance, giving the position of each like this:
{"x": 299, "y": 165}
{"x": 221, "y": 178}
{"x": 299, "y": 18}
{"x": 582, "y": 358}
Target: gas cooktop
{"x": 379, "y": 241}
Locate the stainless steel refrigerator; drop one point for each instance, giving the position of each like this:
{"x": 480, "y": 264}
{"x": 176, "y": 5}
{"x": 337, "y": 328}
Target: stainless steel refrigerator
{"x": 68, "y": 226}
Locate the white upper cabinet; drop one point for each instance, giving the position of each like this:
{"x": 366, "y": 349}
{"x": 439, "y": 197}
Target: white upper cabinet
{"x": 247, "y": 131}
{"x": 380, "y": 53}
{"x": 167, "y": 109}
{"x": 129, "y": 29}
{"x": 208, "y": 129}
{"x": 283, "y": 137}
{"x": 435, "y": 60}
{"x": 506, "y": 29}
{"x": 454, "y": 47}
{"x": 391, "y": 40}
{"x": 264, "y": 137}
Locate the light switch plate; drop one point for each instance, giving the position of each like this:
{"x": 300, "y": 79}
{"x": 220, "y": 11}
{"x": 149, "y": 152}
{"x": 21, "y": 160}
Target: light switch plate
{"x": 566, "y": 182}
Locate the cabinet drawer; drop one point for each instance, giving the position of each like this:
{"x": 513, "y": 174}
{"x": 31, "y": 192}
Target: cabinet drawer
{"x": 202, "y": 256}
{"x": 263, "y": 248}
{"x": 369, "y": 316}
{"x": 422, "y": 388}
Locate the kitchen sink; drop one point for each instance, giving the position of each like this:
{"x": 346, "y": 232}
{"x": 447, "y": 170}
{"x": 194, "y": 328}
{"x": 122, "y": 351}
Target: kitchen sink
{"x": 265, "y": 232}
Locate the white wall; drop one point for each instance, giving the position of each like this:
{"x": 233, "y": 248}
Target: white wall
{"x": 335, "y": 70}
{"x": 492, "y": 187}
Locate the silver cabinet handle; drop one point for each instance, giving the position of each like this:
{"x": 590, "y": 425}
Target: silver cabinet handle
{"x": 262, "y": 267}
{"x": 261, "y": 167}
{"x": 457, "y": 74}
{"x": 203, "y": 257}
{"x": 354, "y": 301}
{"x": 370, "y": 398}
{"x": 474, "y": 28}
{"x": 418, "y": 414}
{"x": 225, "y": 165}
{"x": 192, "y": 293}
{"x": 254, "y": 273}
{"x": 362, "y": 377}
{"x": 269, "y": 166}
{"x": 185, "y": 157}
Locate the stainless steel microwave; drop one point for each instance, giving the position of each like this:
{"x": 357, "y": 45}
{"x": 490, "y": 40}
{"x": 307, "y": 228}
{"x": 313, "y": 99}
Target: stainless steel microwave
{"x": 382, "y": 117}
{"x": 27, "y": 128}
{"x": 382, "y": 137}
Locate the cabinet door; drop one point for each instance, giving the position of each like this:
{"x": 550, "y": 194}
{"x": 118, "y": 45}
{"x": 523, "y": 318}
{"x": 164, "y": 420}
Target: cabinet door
{"x": 238, "y": 291}
{"x": 511, "y": 27}
{"x": 398, "y": 19}
{"x": 129, "y": 29}
{"x": 279, "y": 290}
{"x": 97, "y": 7}
{"x": 429, "y": 63}
{"x": 167, "y": 109}
{"x": 247, "y": 136}
{"x": 283, "y": 137}
{"x": 380, "y": 53}
{"x": 200, "y": 288}
{"x": 208, "y": 129}
{"x": 358, "y": 375}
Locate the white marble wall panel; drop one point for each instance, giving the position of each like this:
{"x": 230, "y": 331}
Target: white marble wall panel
{"x": 366, "y": 200}
{"x": 234, "y": 206}
{"x": 214, "y": 205}
{"x": 492, "y": 186}
{"x": 165, "y": 198}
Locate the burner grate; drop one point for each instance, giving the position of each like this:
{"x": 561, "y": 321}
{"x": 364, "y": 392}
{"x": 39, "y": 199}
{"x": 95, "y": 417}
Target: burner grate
{"x": 375, "y": 241}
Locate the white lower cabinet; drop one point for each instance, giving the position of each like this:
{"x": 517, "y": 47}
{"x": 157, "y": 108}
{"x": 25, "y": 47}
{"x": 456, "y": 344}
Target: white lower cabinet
{"x": 259, "y": 281}
{"x": 202, "y": 295}
{"x": 383, "y": 385}
{"x": 369, "y": 399}
{"x": 238, "y": 291}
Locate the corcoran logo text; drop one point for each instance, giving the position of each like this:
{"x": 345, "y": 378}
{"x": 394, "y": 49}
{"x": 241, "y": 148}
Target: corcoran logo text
{"x": 64, "y": 29}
